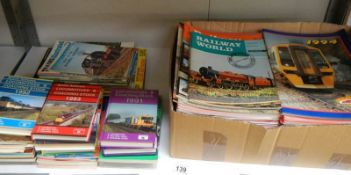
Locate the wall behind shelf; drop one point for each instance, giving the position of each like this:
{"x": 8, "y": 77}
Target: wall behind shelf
{"x": 5, "y": 35}
{"x": 151, "y": 23}
{"x": 272, "y": 10}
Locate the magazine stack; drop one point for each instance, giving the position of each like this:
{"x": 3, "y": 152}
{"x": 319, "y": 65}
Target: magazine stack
{"x": 65, "y": 132}
{"x": 21, "y": 100}
{"x": 313, "y": 74}
{"x": 106, "y": 64}
{"x": 225, "y": 75}
{"x": 129, "y": 130}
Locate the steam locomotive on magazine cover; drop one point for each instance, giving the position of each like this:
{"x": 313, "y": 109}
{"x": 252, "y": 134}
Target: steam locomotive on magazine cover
{"x": 96, "y": 62}
{"x": 228, "y": 80}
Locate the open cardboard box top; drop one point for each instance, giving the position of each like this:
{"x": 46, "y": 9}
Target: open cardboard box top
{"x": 218, "y": 139}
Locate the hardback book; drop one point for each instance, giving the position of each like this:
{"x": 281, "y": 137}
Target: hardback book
{"x": 130, "y": 159}
{"x": 230, "y": 70}
{"x": 21, "y": 100}
{"x": 130, "y": 120}
{"x": 14, "y": 144}
{"x": 24, "y": 156}
{"x": 68, "y": 114}
{"x": 14, "y": 140}
{"x": 128, "y": 151}
{"x": 313, "y": 74}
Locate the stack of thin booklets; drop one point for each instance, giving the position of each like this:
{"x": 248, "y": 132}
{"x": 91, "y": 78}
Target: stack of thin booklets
{"x": 224, "y": 75}
{"x": 105, "y": 64}
{"x": 64, "y": 133}
{"x": 21, "y": 100}
{"x": 129, "y": 130}
{"x": 313, "y": 73}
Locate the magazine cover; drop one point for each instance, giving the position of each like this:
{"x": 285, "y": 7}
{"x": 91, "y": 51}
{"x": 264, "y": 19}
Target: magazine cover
{"x": 315, "y": 68}
{"x": 183, "y": 49}
{"x": 230, "y": 71}
{"x": 89, "y": 59}
{"x": 131, "y": 116}
{"x": 21, "y": 100}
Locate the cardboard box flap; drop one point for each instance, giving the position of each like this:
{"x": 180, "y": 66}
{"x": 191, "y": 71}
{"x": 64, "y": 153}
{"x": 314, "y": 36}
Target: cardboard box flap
{"x": 295, "y": 27}
{"x": 253, "y": 142}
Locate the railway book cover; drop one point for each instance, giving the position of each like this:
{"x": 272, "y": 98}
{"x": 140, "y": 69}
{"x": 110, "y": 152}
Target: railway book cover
{"x": 21, "y": 100}
{"x": 131, "y": 119}
{"x": 69, "y": 112}
{"x": 230, "y": 71}
{"x": 313, "y": 74}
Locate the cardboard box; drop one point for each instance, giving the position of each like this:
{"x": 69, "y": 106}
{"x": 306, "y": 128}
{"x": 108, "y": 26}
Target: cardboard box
{"x": 218, "y": 139}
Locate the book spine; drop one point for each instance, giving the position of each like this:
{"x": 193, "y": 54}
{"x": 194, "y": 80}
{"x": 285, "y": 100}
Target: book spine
{"x": 140, "y": 69}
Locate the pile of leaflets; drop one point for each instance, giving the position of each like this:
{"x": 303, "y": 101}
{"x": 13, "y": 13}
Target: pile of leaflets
{"x": 225, "y": 75}
{"x": 106, "y": 64}
{"x": 64, "y": 134}
{"x": 129, "y": 131}
{"x": 21, "y": 100}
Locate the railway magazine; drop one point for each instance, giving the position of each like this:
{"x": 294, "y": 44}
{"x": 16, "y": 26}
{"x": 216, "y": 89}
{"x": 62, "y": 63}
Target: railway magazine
{"x": 313, "y": 74}
{"x": 220, "y": 85}
{"x": 95, "y": 63}
{"x": 230, "y": 71}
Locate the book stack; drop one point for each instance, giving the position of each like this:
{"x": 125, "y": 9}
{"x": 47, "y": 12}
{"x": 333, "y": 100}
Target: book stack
{"x": 21, "y": 100}
{"x": 63, "y": 133}
{"x": 313, "y": 73}
{"x": 129, "y": 131}
{"x": 106, "y": 64}
{"x": 224, "y": 75}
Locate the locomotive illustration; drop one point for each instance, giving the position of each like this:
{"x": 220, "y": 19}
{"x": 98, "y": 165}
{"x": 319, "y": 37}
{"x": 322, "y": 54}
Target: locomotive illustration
{"x": 96, "y": 62}
{"x": 302, "y": 66}
{"x": 140, "y": 122}
{"x": 228, "y": 80}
